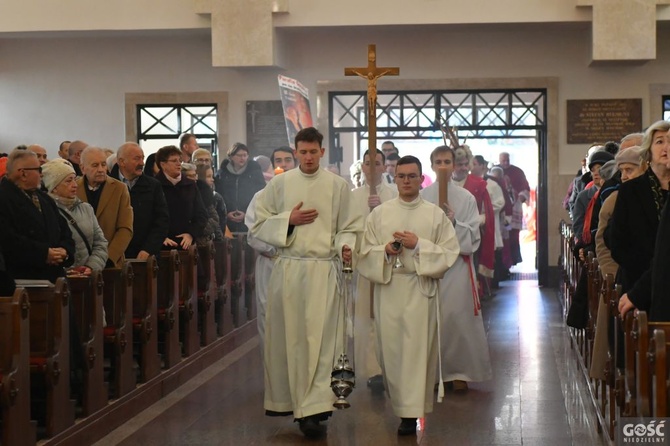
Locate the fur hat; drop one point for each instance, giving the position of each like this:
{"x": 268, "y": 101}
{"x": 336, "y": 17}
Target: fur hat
{"x": 54, "y": 172}
{"x": 599, "y": 157}
{"x": 632, "y": 155}
{"x": 608, "y": 170}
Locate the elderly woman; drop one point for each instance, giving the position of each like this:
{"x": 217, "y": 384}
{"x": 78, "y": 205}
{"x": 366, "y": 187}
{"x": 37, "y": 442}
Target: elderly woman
{"x": 188, "y": 171}
{"x": 187, "y": 213}
{"x": 59, "y": 179}
{"x": 238, "y": 181}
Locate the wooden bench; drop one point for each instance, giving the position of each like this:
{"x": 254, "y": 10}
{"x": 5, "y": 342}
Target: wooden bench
{"x": 188, "y": 301}
{"x": 223, "y": 310}
{"x": 50, "y": 355}
{"x": 207, "y": 293}
{"x": 118, "y": 334}
{"x": 87, "y": 303}
{"x": 17, "y": 428}
{"x": 658, "y": 355}
{"x": 646, "y": 363}
{"x": 145, "y": 316}
{"x": 249, "y": 280}
{"x": 237, "y": 279}
{"x": 168, "y": 307}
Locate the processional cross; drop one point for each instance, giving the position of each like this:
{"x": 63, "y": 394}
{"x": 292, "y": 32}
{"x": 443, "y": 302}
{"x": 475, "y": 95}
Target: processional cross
{"x": 372, "y": 72}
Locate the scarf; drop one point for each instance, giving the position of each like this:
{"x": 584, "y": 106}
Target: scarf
{"x": 68, "y": 203}
{"x": 232, "y": 170}
{"x": 657, "y": 192}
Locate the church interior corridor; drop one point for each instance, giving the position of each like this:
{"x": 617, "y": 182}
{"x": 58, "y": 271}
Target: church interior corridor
{"x": 537, "y": 395}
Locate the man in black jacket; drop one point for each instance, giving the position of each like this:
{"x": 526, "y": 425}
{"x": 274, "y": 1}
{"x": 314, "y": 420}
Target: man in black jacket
{"x": 151, "y": 219}
{"x": 36, "y": 240}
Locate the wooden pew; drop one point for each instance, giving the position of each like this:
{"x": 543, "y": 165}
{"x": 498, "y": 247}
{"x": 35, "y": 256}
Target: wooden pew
{"x": 237, "y": 279}
{"x": 87, "y": 303}
{"x": 249, "y": 279}
{"x": 207, "y": 293}
{"x": 118, "y": 334}
{"x": 630, "y": 328}
{"x": 145, "y": 316}
{"x": 646, "y": 363}
{"x": 613, "y": 379}
{"x": 168, "y": 307}
{"x": 50, "y": 355}
{"x": 17, "y": 428}
{"x": 224, "y": 312}
{"x": 658, "y": 349}
{"x": 188, "y": 301}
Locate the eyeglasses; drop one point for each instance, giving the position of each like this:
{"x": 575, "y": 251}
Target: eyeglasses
{"x": 411, "y": 176}
{"x": 39, "y": 169}
{"x": 173, "y": 160}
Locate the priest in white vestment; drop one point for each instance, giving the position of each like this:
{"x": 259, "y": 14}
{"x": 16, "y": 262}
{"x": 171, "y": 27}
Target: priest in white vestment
{"x": 365, "y": 341}
{"x": 306, "y": 214}
{"x": 406, "y": 294}
{"x": 464, "y": 348}
{"x": 282, "y": 160}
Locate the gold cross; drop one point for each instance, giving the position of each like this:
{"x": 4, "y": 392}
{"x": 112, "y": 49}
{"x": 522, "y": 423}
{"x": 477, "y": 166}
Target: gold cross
{"x": 372, "y": 72}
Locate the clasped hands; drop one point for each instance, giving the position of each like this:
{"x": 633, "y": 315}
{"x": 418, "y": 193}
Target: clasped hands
{"x": 56, "y": 256}
{"x": 407, "y": 240}
{"x": 186, "y": 241}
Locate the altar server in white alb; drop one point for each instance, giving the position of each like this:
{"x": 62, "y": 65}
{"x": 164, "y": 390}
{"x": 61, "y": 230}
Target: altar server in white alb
{"x": 282, "y": 160}
{"x": 365, "y": 341}
{"x": 306, "y": 214}
{"x": 406, "y": 277}
{"x": 465, "y": 351}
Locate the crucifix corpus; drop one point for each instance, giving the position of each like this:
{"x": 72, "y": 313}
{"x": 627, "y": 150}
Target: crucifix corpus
{"x": 371, "y": 73}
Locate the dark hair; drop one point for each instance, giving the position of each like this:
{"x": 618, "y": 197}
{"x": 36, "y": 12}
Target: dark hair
{"x": 149, "y": 165}
{"x": 367, "y": 153}
{"x": 183, "y": 139}
{"x": 480, "y": 160}
{"x": 60, "y": 146}
{"x": 164, "y": 153}
{"x": 309, "y": 134}
{"x": 285, "y": 149}
{"x": 21, "y": 147}
{"x": 393, "y": 157}
{"x": 441, "y": 149}
{"x": 201, "y": 170}
{"x": 611, "y": 147}
{"x": 236, "y": 148}
{"x": 409, "y": 159}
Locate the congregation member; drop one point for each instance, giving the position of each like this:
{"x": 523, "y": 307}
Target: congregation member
{"x": 266, "y": 167}
{"x": 282, "y": 160}
{"x": 597, "y": 160}
{"x": 519, "y": 191}
{"x": 406, "y": 294}
{"x": 150, "y": 212}
{"x": 60, "y": 180}
{"x": 202, "y": 156}
{"x": 464, "y": 349}
{"x": 74, "y": 152}
{"x": 110, "y": 201}
{"x": 485, "y": 254}
{"x": 150, "y": 166}
{"x": 35, "y": 238}
{"x": 188, "y": 171}
{"x": 40, "y": 151}
{"x": 205, "y": 183}
{"x": 365, "y": 340}
{"x": 389, "y": 164}
{"x": 314, "y": 236}
{"x": 188, "y": 144}
{"x": 238, "y": 180}
{"x": 188, "y": 216}
{"x": 64, "y": 149}
{"x": 7, "y": 285}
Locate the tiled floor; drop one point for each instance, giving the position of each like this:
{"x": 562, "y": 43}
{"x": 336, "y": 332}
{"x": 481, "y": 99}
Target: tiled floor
{"x": 537, "y": 396}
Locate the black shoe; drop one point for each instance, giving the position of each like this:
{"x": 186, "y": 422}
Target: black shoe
{"x": 272, "y": 413}
{"x": 376, "y": 383}
{"x": 311, "y": 428}
{"x": 407, "y": 426}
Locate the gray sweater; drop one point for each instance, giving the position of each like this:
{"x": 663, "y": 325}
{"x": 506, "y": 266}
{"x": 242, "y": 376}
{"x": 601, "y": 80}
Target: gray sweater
{"x": 85, "y": 217}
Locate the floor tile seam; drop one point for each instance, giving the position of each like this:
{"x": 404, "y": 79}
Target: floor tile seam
{"x": 158, "y": 408}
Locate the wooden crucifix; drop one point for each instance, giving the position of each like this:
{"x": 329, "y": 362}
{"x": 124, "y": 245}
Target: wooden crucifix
{"x": 371, "y": 73}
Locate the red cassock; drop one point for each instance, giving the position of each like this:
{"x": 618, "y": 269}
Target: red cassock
{"x": 486, "y": 252}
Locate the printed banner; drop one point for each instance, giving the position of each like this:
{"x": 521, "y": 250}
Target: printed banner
{"x": 295, "y": 102}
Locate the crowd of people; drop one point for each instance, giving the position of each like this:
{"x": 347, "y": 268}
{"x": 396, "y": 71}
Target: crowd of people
{"x": 420, "y": 265}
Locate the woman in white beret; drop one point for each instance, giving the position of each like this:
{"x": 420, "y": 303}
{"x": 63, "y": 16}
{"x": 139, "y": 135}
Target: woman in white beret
{"x": 91, "y": 246}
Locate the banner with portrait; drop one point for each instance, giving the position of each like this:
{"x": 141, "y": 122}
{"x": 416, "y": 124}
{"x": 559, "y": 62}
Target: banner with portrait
{"x": 295, "y": 102}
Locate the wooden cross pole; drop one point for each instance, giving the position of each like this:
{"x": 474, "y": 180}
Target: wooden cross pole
{"x": 372, "y": 72}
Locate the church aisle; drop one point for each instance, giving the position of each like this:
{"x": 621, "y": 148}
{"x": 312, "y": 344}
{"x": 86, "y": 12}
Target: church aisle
{"x": 537, "y": 396}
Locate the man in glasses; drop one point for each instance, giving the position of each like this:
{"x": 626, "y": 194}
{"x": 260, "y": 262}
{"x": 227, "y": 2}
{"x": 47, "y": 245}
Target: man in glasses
{"x": 36, "y": 240}
{"x": 408, "y": 244}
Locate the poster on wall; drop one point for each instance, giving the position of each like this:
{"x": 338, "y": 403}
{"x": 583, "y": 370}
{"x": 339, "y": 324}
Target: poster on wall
{"x": 266, "y": 129}
{"x": 601, "y": 120}
{"x": 295, "y": 101}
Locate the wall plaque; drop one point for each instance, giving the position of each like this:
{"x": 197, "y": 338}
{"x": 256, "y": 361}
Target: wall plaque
{"x": 266, "y": 127}
{"x": 601, "y": 120}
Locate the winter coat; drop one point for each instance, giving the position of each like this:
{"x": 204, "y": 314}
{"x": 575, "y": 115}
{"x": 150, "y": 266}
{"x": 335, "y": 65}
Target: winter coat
{"x": 239, "y": 189}
{"x": 83, "y": 215}
{"x": 187, "y": 213}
